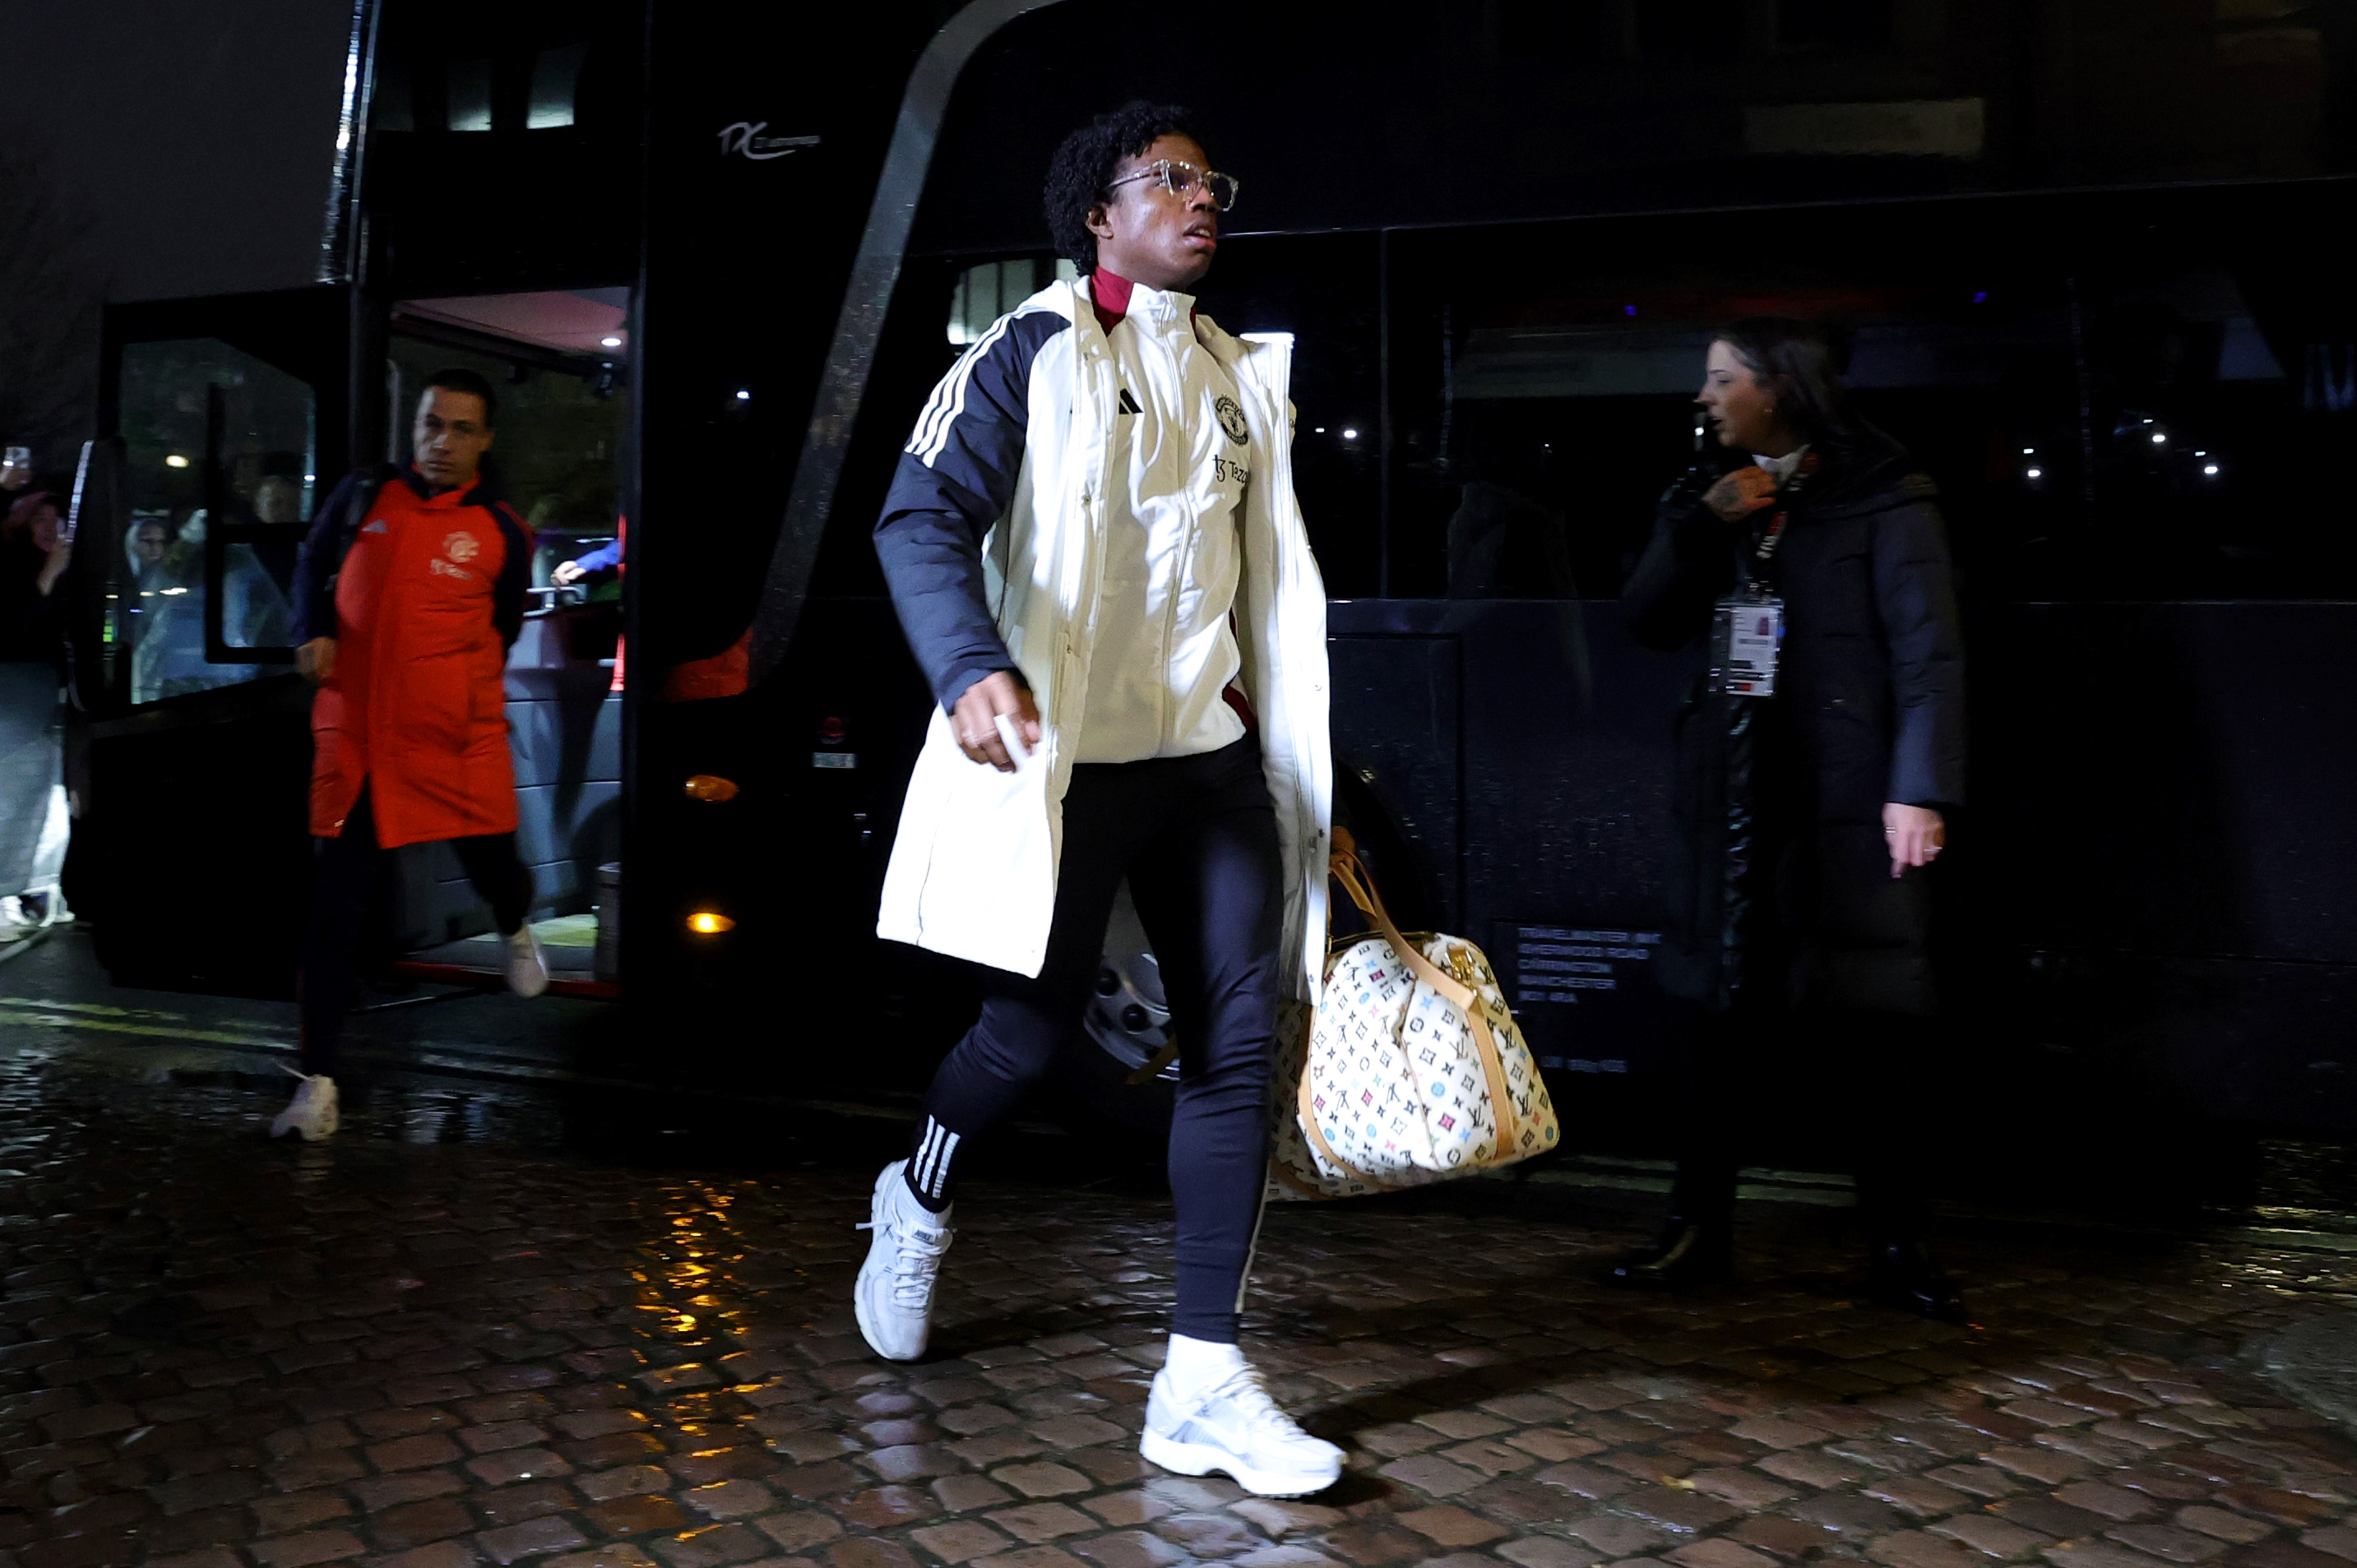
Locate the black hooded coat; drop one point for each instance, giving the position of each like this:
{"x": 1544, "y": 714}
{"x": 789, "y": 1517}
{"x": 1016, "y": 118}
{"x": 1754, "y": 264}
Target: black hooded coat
{"x": 1779, "y": 886}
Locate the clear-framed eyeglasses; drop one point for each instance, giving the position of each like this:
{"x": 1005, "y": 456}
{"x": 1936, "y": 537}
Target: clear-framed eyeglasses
{"x": 1180, "y": 178}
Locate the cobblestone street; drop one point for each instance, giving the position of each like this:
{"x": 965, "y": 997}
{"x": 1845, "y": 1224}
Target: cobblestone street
{"x": 217, "y": 1351}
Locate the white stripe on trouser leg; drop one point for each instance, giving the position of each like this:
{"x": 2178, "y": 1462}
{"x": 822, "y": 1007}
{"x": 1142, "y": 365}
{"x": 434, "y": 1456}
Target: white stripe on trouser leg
{"x": 932, "y": 1163}
{"x": 927, "y": 1156}
{"x": 1244, "y": 1281}
{"x": 924, "y": 1153}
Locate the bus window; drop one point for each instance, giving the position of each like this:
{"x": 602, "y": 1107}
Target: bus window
{"x": 1493, "y": 387}
{"x": 1451, "y": 113}
{"x": 213, "y": 437}
{"x": 1323, "y": 290}
{"x": 556, "y": 78}
{"x": 1548, "y": 374}
{"x": 529, "y": 118}
{"x": 2105, "y": 417}
{"x": 985, "y": 293}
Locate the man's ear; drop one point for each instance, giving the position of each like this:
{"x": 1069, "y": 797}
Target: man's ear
{"x": 1098, "y": 223}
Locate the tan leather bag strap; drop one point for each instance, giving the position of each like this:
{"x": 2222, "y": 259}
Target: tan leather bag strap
{"x": 1504, "y": 1115}
{"x": 1352, "y": 875}
{"x": 1308, "y": 1120}
{"x": 1277, "y": 1169}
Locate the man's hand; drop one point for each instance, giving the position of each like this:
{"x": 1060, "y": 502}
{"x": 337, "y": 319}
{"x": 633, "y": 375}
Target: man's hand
{"x": 567, "y": 575}
{"x": 1915, "y": 833}
{"x": 974, "y": 720}
{"x": 1739, "y": 494}
{"x": 315, "y": 661}
{"x": 53, "y": 567}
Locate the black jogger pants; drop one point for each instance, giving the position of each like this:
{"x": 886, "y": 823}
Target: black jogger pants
{"x": 344, "y": 874}
{"x": 1197, "y": 838}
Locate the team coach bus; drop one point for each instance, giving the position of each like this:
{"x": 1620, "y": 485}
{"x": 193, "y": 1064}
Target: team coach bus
{"x": 2085, "y": 254}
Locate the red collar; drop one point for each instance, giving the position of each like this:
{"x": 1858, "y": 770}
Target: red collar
{"x": 1109, "y": 292}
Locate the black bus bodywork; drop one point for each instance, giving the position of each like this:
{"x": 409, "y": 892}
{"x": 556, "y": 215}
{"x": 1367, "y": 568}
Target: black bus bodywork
{"x": 2085, "y": 252}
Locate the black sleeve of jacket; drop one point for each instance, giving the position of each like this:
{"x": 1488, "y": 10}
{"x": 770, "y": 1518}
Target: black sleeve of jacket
{"x": 956, "y": 477}
{"x": 1915, "y": 593}
{"x": 314, "y": 565}
{"x": 515, "y": 575}
{"x": 1686, "y": 569}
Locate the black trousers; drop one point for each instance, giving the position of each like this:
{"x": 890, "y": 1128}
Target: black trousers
{"x": 1197, "y": 838}
{"x": 345, "y": 871}
{"x": 1863, "y": 1076}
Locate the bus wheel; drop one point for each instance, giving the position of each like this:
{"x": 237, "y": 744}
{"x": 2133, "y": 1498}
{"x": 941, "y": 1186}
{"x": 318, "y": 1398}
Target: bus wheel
{"x": 1123, "y": 1032}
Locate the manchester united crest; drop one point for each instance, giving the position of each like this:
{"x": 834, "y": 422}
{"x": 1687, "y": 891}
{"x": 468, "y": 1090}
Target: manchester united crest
{"x": 1232, "y": 420}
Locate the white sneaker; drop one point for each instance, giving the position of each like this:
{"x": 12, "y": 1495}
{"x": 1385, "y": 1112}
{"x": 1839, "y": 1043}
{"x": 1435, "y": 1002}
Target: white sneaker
{"x": 1232, "y": 1425}
{"x": 894, "y": 1297}
{"x": 312, "y": 1113}
{"x": 527, "y": 970}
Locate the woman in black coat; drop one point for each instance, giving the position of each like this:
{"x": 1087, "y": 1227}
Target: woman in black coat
{"x": 1809, "y": 800}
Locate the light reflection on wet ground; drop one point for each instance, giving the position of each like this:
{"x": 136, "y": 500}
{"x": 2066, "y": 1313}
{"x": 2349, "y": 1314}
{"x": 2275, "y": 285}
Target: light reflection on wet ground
{"x": 521, "y": 1313}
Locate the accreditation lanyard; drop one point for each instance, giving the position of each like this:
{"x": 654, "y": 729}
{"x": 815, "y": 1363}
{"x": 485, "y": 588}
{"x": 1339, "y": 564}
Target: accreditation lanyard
{"x": 1748, "y": 625}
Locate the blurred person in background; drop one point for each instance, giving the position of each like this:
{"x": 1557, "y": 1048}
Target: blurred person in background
{"x": 34, "y": 554}
{"x": 277, "y": 498}
{"x": 168, "y": 659}
{"x": 1816, "y": 760}
{"x": 591, "y": 566}
{"x": 596, "y": 567}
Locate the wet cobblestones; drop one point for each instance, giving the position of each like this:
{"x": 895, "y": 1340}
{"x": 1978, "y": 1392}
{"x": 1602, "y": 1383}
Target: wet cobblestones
{"x": 217, "y": 1352}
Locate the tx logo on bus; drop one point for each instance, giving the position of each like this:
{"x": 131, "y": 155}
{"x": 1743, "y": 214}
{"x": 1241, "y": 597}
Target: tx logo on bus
{"x": 744, "y": 140}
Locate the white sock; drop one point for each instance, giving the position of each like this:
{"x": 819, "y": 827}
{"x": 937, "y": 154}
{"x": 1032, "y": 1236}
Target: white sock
{"x": 910, "y": 1205}
{"x": 1198, "y": 1363}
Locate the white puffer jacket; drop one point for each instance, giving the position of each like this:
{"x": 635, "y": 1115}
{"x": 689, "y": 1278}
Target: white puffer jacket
{"x": 974, "y": 868}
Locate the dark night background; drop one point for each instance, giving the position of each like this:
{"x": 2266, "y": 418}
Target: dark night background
{"x": 150, "y": 149}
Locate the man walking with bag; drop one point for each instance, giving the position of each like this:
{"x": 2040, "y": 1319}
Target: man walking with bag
{"x": 409, "y": 592}
{"x": 1092, "y": 489}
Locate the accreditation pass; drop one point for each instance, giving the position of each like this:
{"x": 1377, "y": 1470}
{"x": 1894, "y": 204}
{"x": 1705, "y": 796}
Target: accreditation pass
{"x": 1748, "y": 632}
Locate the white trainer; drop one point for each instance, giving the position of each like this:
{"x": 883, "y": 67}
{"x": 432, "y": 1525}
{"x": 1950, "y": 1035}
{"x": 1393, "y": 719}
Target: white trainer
{"x": 1232, "y": 1424}
{"x": 527, "y": 968}
{"x": 894, "y": 1297}
{"x": 312, "y": 1111}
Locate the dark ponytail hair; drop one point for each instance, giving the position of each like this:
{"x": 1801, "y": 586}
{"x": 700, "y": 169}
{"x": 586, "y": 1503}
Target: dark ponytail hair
{"x": 1801, "y": 363}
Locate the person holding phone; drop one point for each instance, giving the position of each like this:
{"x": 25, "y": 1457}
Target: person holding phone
{"x": 1817, "y": 759}
{"x": 36, "y": 548}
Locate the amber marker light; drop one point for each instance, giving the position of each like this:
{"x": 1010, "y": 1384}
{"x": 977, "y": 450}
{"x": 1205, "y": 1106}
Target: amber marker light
{"x": 710, "y": 923}
{"x": 710, "y": 787}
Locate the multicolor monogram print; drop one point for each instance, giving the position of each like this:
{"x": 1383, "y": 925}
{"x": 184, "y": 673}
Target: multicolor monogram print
{"x": 1396, "y": 1080}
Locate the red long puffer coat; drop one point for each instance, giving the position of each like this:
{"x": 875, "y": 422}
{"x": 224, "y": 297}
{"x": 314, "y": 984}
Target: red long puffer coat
{"x": 417, "y": 708}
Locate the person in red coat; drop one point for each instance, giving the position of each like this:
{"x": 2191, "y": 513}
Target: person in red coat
{"x": 408, "y": 594}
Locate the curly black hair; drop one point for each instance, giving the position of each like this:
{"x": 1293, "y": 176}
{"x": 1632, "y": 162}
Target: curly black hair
{"x": 1086, "y": 162}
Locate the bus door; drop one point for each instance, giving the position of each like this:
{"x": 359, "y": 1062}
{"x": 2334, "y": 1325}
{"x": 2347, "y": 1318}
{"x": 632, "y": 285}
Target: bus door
{"x": 223, "y": 421}
{"x": 557, "y": 360}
